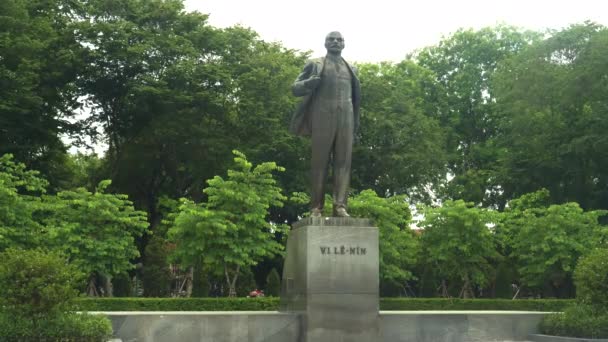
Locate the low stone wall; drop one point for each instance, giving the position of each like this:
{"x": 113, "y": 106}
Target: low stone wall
{"x": 272, "y": 326}
{"x": 216, "y": 326}
{"x": 458, "y": 326}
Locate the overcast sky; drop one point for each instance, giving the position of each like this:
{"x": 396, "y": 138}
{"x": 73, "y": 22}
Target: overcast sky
{"x": 386, "y": 30}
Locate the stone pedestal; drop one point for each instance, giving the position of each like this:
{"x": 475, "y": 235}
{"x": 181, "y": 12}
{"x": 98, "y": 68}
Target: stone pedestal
{"x": 331, "y": 277}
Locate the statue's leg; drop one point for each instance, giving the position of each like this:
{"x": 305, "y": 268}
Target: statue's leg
{"x": 323, "y": 134}
{"x": 343, "y": 148}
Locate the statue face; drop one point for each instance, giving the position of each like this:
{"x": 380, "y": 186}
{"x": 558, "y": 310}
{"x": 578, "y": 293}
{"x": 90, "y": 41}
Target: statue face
{"x": 334, "y": 42}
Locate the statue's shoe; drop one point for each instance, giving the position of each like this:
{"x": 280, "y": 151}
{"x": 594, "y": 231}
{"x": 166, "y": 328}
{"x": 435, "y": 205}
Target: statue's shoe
{"x": 341, "y": 212}
{"x": 316, "y": 212}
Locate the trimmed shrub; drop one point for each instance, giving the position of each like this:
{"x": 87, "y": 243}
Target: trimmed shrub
{"x": 273, "y": 283}
{"x": 547, "y": 305}
{"x": 179, "y": 304}
{"x": 272, "y": 303}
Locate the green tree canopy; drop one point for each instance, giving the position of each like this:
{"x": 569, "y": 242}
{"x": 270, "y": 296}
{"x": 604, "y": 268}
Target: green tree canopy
{"x": 547, "y": 240}
{"x": 464, "y": 64}
{"x": 38, "y": 98}
{"x": 231, "y": 230}
{"x": 398, "y": 245}
{"x": 401, "y": 147}
{"x": 551, "y": 110}
{"x": 174, "y": 96}
{"x": 458, "y": 242}
{"x": 18, "y": 227}
{"x": 96, "y": 231}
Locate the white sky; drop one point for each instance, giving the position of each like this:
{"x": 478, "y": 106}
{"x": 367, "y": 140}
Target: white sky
{"x": 386, "y": 30}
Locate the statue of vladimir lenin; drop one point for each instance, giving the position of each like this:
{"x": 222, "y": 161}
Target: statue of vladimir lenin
{"x": 329, "y": 113}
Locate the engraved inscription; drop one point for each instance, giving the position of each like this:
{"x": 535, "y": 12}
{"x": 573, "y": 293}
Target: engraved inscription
{"x": 343, "y": 250}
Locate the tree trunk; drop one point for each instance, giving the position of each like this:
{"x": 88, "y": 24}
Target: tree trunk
{"x": 467, "y": 291}
{"x": 189, "y": 281}
{"x": 107, "y": 286}
{"x": 231, "y": 282}
{"x": 444, "y": 289}
{"x": 92, "y": 287}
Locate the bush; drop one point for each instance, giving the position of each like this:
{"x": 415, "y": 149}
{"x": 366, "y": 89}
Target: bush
{"x": 588, "y": 318}
{"x": 35, "y": 282}
{"x": 579, "y": 320}
{"x": 591, "y": 279}
{"x": 60, "y": 327}
{"x": 272, "y": 303}
{"x": 37, "y": 289}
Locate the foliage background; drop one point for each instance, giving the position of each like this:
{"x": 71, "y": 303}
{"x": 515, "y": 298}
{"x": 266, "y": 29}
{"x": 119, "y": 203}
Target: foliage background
{"x": 469, "y": 131}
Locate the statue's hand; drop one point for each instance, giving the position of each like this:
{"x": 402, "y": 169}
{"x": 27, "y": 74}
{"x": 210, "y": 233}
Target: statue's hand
{"x": 312, "y": 83}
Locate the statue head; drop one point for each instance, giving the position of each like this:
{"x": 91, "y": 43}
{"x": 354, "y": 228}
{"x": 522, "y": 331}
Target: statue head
{"x": 334, "y": 42}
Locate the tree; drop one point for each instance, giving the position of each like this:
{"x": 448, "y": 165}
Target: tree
{"x": 230, "y": 231}
{"x": 20, "y": 191}
{"x": 401, "y": 147}
{"x": 398, "y": 245}
{"x": 259, "y": 105}
{"x": 551, "y": 106}
{"x": 174, "y": 96}
{"x": 150, "y": 88}
{"x": 464, "y": 64}
{"x": 246, "y": 283}
{"x": 273, "y": 283}
{"x": 38, "y": 100}
{"x": 457, "y": 240}
{"x": 96, "y": 231}
{"x": 547, "y": 240}
{"x": 156, "y": 274}
{"x": 201, "y": 284}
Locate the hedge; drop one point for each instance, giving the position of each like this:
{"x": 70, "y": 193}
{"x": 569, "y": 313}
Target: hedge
{"x": 272, "y": 304}
{"x": 448, "y": 304}
{"x": 178, "y": 304}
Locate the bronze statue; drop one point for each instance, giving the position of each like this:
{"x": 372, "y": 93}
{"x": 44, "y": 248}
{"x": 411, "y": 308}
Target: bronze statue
{"x": 329, "y": 113}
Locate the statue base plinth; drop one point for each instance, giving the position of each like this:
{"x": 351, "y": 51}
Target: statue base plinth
{"x": 331, "y": 277}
